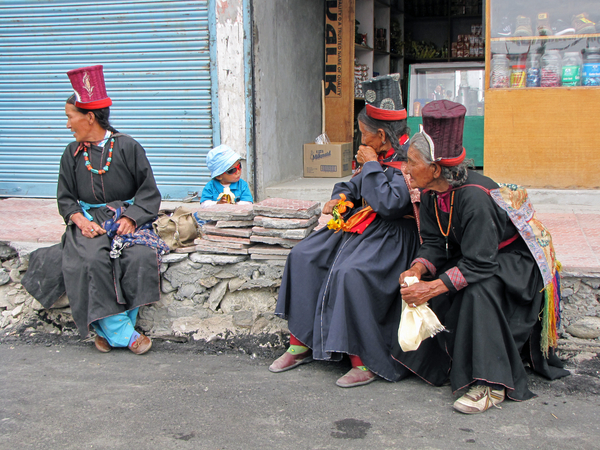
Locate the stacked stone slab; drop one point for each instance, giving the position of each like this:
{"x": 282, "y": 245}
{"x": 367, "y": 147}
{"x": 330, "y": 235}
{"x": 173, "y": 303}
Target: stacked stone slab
{"x": 279, "y": 224}
{"x": 227, "y": 232}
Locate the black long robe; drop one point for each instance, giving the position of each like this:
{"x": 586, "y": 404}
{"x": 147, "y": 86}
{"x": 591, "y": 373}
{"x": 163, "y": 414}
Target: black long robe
{"x": 98, "y": 286}
{"x": 491, "y": 311}
{"x": 340, "y": 290}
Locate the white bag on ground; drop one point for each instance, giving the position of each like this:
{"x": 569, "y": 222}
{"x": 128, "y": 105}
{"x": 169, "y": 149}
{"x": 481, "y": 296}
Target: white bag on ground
{"x": 416, "y": 324}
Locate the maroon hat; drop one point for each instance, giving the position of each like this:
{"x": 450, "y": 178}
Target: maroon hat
{"x": 383, "y": 98}
{"x": 88, "y": 83}
{"x": 443, "y": 123}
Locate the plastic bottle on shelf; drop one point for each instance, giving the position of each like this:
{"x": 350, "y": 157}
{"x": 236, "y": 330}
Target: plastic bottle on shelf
{"x": 571, "y": 69}
{"x": 551, "y": 69}
{"x": 590, "y": 75}
{"x": 499, "y": 77}
{"x": 517, "y": 76}
{"x": 533, "y": 70}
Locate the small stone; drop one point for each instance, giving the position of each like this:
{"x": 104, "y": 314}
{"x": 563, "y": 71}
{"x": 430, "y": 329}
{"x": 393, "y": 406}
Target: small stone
{"x": 62, "y": 302}
{"x": 4, "y": 277}
{"x": 585, "y": 328}
{"x": 19, "y": 299}
{"x": 163, "y": 268}
{"x": 174, "y": 257}
{"x": 566, "y": 292}
{"x": 166, "y": 286}
{"x": 188, "y": 249}
{"x": 37, "y": 306}
{"x": 209, "y": 282}
{"x": 15, "y": 276}
{"x": 235, "y": 284}
{"x": 243, "y": 319}
{"x": 217, "y": 295}
{"x": 18, "y": 310}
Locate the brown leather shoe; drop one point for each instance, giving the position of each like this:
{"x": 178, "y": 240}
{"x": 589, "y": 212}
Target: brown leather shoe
{"x": 102, "y": 344}
{"x": 141, "y": 345}
{"x": 289, "y": 360}
{"x": 356, "y": 377}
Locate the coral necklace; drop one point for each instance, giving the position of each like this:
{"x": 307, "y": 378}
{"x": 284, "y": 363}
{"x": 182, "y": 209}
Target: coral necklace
{"x": 449, "y": 220}
{"x": 102, "y": 171}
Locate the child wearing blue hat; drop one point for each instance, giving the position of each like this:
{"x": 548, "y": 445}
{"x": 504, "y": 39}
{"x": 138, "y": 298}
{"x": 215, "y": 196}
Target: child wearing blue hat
{"x": 226, "y": 185}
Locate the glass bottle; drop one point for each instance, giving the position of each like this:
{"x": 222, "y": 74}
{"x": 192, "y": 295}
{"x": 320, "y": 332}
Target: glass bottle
{"x": 571, "y": 69}
{"x": 533, "y": 70}
{"x": 590, "y": 75}
{"x": 551, "y": 69}
{"x": 517, "y": 76}
{"x": 499, "y": 76}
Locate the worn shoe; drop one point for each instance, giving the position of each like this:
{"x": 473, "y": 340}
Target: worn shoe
{"x": 583, "y": 24}
{"x": 290, "y": 360}
{"x": 141, "y": 345}
{"x": 543, "y": 25}
{"x": 102, "y": 344}
{"x": 523, "y": 27}
{"x": 356, "y": 377}
{"x": 480, "y": 398}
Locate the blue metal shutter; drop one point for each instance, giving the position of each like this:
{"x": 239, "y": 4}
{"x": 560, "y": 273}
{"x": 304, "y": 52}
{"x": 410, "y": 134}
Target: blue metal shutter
{"x": 157, "y": 71}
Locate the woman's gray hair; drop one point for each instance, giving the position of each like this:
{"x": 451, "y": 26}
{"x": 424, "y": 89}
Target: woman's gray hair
{"x": 393, "y": 130}
{"x": 454, "y": 175}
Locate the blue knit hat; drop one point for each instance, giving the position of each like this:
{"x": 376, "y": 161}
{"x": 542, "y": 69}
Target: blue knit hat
{"x": 221, "y": 158}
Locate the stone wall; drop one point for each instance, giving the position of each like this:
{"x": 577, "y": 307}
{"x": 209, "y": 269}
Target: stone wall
{"x": 205, "y": 297}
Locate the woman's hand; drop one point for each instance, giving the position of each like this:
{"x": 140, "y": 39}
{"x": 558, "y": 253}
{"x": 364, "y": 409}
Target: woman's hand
{"x": 328, "y": 207}
{"x": 88, "y": 229}
{"x": 126, "y": 226}
{"x": 422, "y": 292}
{"x": 365, "y": 154}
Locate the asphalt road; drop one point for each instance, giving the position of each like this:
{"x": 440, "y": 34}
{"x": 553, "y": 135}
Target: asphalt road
{"x": 66, "y": 395}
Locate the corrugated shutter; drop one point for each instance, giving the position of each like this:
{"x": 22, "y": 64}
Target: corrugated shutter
{"x": 157, "y": 70}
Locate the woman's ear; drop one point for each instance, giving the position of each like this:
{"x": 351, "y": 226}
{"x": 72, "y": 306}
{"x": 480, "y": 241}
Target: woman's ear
{"x": 91, "y": 117}
{"x": 381, "y": 135}
{"x": 437, "y": 170}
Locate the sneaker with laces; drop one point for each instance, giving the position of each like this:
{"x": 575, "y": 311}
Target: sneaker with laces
{"x": 505, "y": 27}
{"x": 583, "y": 24}
{"x": 561, "y": 28}
{"x": 543, "y": 25}
{"x": 480, "y": 398}
{"x": 523, "y": 27}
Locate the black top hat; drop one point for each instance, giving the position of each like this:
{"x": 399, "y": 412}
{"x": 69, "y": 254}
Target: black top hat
{"x": 443, "y": 123}
{"x": 383, "y": 96}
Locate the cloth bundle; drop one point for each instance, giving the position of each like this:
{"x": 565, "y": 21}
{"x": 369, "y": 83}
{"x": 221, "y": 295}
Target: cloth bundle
{"x": 416, "y": 324}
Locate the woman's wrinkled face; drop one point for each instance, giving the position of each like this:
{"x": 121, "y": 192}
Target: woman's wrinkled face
{"x": 373, "y": 140}
{"x": 78, "y": 123}
{"x": 421, "y": 172}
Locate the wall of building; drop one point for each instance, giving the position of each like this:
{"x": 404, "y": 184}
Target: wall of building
{"x": 288, "y": 63}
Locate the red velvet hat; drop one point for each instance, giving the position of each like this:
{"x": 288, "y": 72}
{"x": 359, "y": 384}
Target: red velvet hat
{"x": 443, "y": 123}
{"x": 88, "y": 83}
{"x": 383, "y": 97}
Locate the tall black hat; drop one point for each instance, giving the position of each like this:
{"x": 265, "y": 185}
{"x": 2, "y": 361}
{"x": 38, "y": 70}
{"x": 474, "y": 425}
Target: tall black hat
{"x": 383, "y": 96}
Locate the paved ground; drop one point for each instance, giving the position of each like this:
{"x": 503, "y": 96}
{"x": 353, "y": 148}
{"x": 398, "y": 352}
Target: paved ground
{"x": 63, "y": 394}
{"x": 575, "y": 229}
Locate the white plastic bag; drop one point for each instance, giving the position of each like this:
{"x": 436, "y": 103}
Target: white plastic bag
{"x": 416, "y": 324}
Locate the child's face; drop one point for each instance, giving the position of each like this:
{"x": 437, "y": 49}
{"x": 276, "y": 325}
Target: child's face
{"x": 232, "y": 175}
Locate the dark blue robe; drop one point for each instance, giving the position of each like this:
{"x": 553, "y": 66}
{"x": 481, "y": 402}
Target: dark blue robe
{"x": 340, "y": 291}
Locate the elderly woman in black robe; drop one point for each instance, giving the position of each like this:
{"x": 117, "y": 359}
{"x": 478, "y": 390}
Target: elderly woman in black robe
{"x": 488, "y": 288}
{"x": 106, "y": 189}
{"x": 339, "y": 290}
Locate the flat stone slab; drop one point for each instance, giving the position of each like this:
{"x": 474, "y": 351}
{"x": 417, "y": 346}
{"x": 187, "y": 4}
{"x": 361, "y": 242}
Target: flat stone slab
{"x": 218, "y": 249}
{"x": 234, "y": 232}
{"x": 226, "y": 212}
{"x": 276, "y": 222}
{"x": 298, "y": 233}
{"x": 188, "y": 249}
{"x": 261, "y": 249}
{"x": 174, "y": 257}
{"x": 228, "y": 241}
{"x": 216, "y": 260}
{"x": 259, "y": 257}
{"x": 287, "y": 243}
{"x": 234, "y": 223}
{"x": 287, "y": 208}
{"x": 585, "y": 328}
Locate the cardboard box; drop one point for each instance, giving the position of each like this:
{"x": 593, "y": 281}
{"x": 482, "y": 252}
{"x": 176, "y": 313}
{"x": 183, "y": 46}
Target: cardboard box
{"x": 328, "y": 160}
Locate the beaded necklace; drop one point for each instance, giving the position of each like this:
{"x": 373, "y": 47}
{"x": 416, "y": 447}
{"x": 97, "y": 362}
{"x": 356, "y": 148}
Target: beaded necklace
{"x": 449, "y": 220}
{"x": 102, "y": 171}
